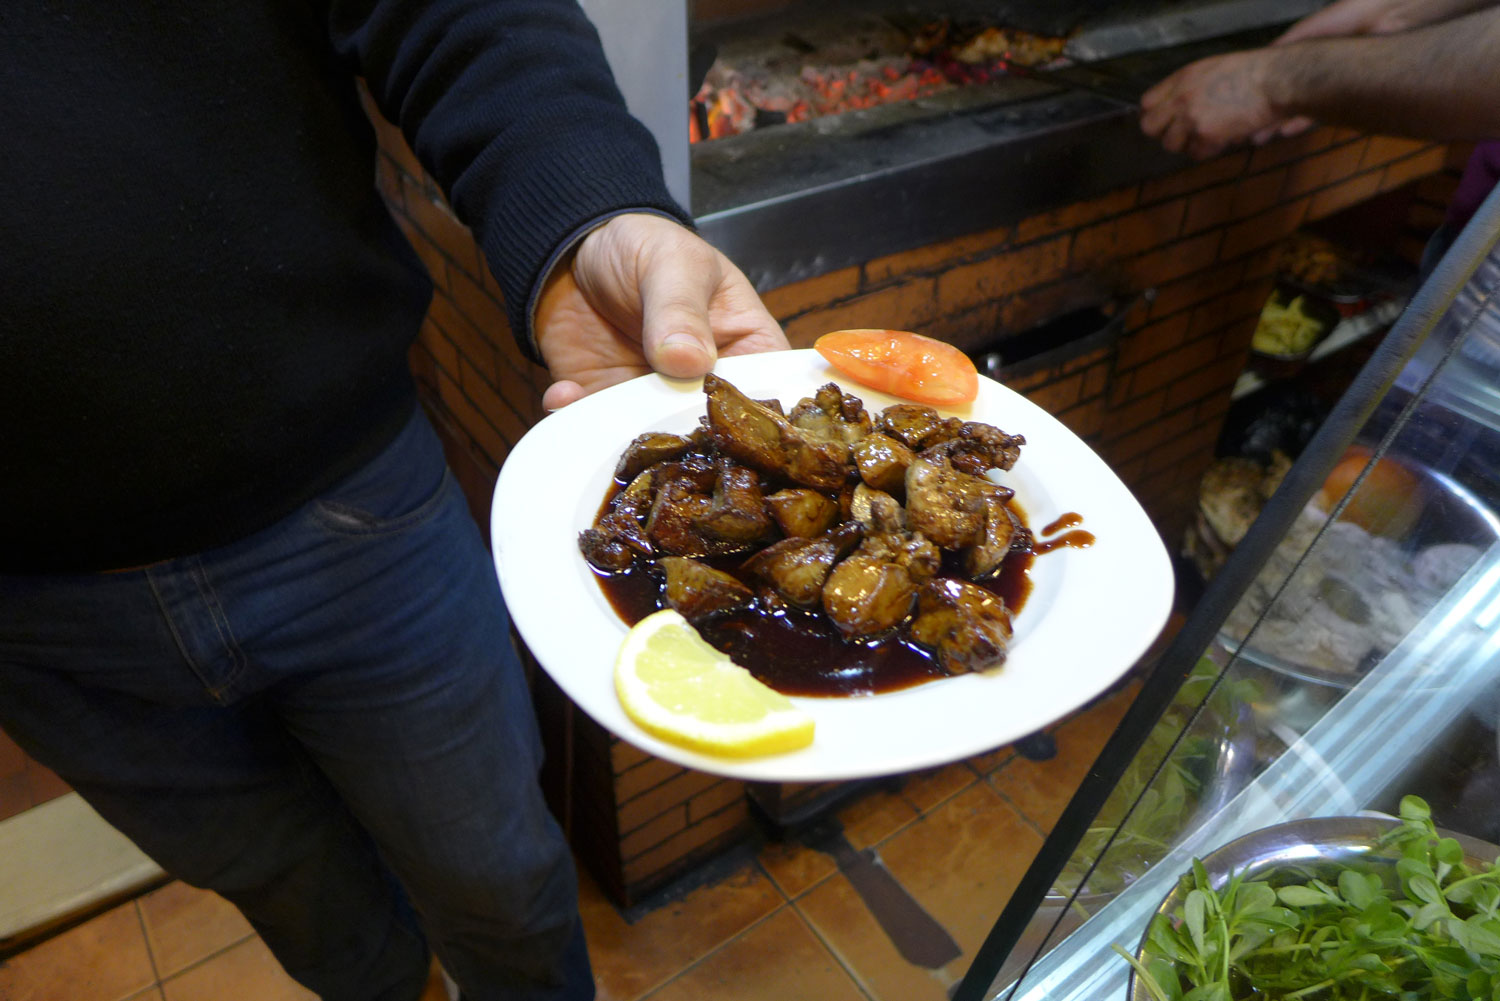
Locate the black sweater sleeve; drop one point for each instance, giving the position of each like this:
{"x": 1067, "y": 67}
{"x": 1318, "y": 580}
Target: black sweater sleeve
{"x": 510, "y": 105}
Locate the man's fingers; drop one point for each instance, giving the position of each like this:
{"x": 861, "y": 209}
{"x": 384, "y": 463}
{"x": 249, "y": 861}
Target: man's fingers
{"x": 1200, "y": 148}
{"x": 1154, "y": 120}
{"x": 560, "y": 394}
{"x": 1266, "y": 134}
{"x": 585, "y": 381}
{"x": 675, "y": 331}
{"x": 1175, "y": 139}
{"x": 1296, "y": 126}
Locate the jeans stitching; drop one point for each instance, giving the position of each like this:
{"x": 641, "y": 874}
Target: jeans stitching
{"x": 226, "y": 636}
{"x": 178, "y": 638}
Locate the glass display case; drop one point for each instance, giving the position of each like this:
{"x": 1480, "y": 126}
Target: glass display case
{"x": 1345, "y": 656}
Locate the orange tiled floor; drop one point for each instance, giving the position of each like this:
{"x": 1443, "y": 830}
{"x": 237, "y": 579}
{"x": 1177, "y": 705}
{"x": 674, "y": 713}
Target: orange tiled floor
{"x": 786, "y": 926}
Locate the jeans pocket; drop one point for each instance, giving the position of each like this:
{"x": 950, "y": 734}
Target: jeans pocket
{"x": 403, "y": 486}
{"x": 359, "y": 519}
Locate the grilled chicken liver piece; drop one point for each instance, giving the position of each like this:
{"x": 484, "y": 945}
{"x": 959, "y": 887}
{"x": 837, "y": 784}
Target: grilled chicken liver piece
{"x": 681, "y": 504}
{"x": 911, "y": 551}
{"x": 698, "y": 591}
{"x": 647, "y": 450}
{"x": 984, "y": 557}
{"x": 613, "y": 543}
{"x": 877, "y": 510}
{"x": 916, "y": 426}
{"x": 832, "y": 414}
{"x": 754, "y": 434}
{"x": 796, "y": 568}
{"x": 619, "y": 535}
{"x": 802, "y": 512}
{"x": 867, "y": 597}
{"x": 737, "y": 512}
{"x": 946, "y": 505}
{"x": 882, "y": 461}
{"x": 977, "y": 448}
{"x": 966, "y": 627}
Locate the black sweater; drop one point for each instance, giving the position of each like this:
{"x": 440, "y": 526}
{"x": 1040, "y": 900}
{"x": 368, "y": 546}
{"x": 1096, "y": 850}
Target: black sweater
{"x": 206, "y": 307}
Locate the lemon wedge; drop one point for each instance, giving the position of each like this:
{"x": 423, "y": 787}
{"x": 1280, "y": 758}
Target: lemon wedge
{"x": 676, "y": 687}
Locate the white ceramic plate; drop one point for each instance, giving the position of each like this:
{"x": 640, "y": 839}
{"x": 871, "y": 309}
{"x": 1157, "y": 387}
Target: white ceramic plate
{"x": 1091, "y": 613}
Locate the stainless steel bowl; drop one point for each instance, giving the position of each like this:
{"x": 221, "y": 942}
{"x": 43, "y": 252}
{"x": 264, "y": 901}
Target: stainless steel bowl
{"x": 1334, "y": 841}
{"x": 1452, "y": 514}
{"x": 1229, "y": 769}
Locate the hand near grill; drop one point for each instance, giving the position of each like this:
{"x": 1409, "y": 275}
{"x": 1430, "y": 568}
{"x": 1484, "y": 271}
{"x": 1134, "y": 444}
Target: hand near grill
{"x": 1209, "y": 105}
{"x": 1407, "y": 67}
{"x": 644, "y": 293}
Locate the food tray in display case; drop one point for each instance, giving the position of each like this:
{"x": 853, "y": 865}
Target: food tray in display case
{"x": 1334, "y": 598}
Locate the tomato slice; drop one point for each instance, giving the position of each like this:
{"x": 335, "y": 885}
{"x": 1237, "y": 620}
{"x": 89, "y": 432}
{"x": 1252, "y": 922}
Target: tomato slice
{"x": 903, "y": 364}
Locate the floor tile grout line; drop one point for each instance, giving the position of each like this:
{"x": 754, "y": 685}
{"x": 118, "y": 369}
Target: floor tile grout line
{"x": 923, "y": 812}
{"x": 140, "y": 918}
{"x": 846, "y": 966}
{"x": 875, "y": 846}
{"x": 700, "y": 960}
{"x": 921, "y": 815}
{"x": 786, "y": 897}
{"x": 1026, "y": 817}
{"x": 799, "y": 895}
{"x": 203, "y": 960}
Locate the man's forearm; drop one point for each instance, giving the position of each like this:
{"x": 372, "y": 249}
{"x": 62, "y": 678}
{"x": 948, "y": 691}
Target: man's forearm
{"x": 1419, "y": 13}
{"x": 1436, "y": 82}
{"x": 1345, "y": 18}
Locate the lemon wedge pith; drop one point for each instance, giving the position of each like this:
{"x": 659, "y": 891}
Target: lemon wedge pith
{"x": 676, "y": 687}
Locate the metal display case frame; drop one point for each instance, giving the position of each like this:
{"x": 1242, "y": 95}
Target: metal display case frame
{"x": 1440, "y": 357}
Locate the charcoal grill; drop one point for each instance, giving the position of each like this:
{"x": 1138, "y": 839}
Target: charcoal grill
{"x": 789, "y": 199}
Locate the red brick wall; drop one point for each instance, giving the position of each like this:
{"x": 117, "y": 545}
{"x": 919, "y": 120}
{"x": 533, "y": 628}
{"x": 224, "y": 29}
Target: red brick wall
{"x": 480, "y": 389}
{"x": 1151, "y": 403}
{"x": 1202, "y": 237}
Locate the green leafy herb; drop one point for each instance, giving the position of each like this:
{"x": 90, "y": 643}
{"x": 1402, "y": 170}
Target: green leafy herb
{"x": 1429, "y": 929}
{"x": 1164, "y": 805}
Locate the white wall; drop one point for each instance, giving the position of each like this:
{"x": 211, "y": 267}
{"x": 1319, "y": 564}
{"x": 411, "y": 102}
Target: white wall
{"x": 646, "y": 42}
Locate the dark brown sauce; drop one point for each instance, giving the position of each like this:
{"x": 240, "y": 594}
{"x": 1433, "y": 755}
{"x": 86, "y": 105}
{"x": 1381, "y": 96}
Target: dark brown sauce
{"x": 1072, "y": 540}
{"x": 1069, "y": 520}
{"x": 802, "y": 653}
{"x": 1076, "y": 539}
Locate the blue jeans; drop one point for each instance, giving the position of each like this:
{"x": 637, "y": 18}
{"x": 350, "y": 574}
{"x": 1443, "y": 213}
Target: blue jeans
{"x": 327, "y": 724}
